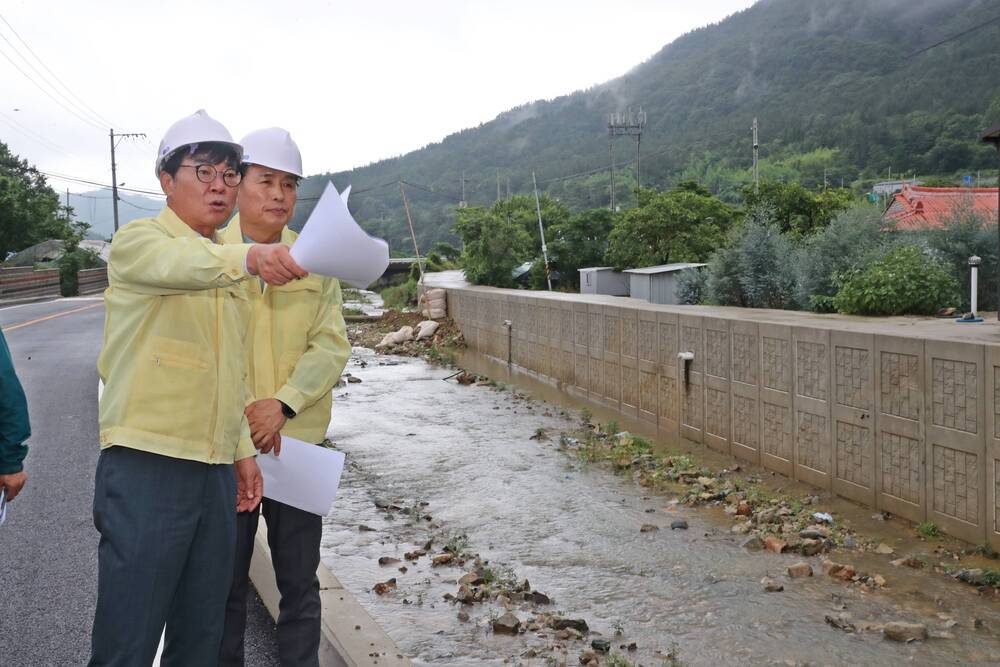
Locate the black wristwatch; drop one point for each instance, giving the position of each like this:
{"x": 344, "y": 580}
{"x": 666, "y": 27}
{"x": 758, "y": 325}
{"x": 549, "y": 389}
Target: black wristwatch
{"x": 287, "y": 411}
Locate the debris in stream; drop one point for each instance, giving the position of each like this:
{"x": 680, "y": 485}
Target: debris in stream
{"x": 649, "y": 528}
{"x": 680, "y": 524}
{"x": 772, "y": 586}
{"x": 905, "y": 632}
{"x": 384, "y": 587}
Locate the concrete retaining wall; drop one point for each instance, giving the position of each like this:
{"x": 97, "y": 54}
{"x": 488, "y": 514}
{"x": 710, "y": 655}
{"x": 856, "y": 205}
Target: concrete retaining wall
{"x": 900, "y": 414}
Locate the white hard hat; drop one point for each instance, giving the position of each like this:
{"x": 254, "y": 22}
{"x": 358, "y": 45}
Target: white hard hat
{"x": 272, "y": 147}
{"x": 198, "y": 128}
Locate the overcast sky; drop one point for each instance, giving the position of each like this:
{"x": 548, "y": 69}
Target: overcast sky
{"x": 354, "y": 82}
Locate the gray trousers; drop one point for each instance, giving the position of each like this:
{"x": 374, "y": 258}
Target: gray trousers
{"x": 168, "y": 530}
{"x": 293, "y": 536}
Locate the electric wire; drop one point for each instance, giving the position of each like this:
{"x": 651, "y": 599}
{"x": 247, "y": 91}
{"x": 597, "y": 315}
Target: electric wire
{"x": 49, "y": 70}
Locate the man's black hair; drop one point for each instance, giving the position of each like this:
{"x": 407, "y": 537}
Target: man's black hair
{"x": 210, "y": 152}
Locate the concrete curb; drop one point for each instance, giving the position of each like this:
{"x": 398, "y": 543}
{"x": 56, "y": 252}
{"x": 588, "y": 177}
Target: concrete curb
{"x": 351, "y": 638}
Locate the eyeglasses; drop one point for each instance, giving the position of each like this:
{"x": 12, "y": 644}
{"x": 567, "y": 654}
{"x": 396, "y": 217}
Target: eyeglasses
{"x": 207, "y": 173}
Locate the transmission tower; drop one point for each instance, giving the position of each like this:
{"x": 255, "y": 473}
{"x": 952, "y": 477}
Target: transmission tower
{"x": 631, "y": 124}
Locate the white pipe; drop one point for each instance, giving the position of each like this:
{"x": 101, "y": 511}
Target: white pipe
{"x": 975, "y": 288}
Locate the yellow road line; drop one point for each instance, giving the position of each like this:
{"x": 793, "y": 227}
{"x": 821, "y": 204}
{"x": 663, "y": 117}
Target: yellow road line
{"x": 49, "y": 317}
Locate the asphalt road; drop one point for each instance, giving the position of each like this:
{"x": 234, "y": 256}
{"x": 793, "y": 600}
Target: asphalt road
{"x": 48, "y": 546}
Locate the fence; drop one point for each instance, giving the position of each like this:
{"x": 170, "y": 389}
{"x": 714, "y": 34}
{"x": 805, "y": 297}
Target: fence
{"x": 901, "y": 415}
{"x": 25, "y": 282}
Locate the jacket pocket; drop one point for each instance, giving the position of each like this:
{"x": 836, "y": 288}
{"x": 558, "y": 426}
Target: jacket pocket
{"x": 174, "y": 390}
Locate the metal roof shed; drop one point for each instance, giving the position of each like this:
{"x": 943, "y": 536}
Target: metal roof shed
{"x": 603, "y": 280}
{"x": 657, "y": 284}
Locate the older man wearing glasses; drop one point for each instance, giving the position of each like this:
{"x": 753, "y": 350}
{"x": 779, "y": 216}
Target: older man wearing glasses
{"x": 177, "y": 460}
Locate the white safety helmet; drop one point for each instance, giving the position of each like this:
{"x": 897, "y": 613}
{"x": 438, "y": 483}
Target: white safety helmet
{"x": 198, "y": 128}
{"x": 272, "y": 147}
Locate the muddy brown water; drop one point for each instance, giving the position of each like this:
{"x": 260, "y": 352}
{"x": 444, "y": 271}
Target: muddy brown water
{"x": 572, "y": 530}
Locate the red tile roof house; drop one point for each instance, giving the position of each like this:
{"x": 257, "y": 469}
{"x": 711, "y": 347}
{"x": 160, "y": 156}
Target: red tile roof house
{"x": 919, "y": 208}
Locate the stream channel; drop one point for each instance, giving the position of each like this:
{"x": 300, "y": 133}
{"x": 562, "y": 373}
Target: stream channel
{"x": 464, "y": 456}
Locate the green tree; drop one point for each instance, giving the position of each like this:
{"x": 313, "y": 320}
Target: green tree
{"x": 797, "y": 209}
{"x": 29, "y": 209}
{"x": 683, "y": 225}
{"x": 494, "y": 245}
{"x": 579, "y": 242}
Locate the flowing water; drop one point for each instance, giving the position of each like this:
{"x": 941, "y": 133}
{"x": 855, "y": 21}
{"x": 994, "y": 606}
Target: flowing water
{"x": 573, "y": 531}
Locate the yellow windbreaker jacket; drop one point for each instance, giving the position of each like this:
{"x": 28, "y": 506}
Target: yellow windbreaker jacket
{"x": 297, "y": 344}
{"x": 173, "y": 361}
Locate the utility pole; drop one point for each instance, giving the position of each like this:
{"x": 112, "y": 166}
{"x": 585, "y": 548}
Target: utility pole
{"x": 462, "y": 203}
{"x": 756, "y": 146}
{"x": 541, "y": 231}
{"x": 67, "y": 204}
{"x": 409, "y": 221}
{"x": 114, "y": 174}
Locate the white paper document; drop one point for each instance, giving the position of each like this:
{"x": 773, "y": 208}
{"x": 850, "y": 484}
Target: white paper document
{"x": 305, "y": 476}
{"x": 332, "y": 244}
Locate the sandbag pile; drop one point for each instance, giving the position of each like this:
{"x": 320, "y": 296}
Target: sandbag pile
{"x": 425, "y": 329}
{"x": 434, "y": 303}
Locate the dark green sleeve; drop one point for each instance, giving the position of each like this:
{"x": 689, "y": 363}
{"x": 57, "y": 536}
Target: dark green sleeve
{"x": 14, "y": 425}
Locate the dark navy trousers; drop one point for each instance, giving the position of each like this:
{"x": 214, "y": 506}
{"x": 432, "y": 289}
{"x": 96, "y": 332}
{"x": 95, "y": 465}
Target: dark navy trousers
{"x": 168, "y": 535}
{"x": 293, "y": 536}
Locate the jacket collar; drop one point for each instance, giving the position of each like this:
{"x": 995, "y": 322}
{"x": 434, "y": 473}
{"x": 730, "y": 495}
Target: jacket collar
{"x": 177, "y": 227}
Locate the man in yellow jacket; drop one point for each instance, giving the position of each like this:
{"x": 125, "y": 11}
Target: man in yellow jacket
{"x": 167, "y": 489}
{"x": 298, "y": 348}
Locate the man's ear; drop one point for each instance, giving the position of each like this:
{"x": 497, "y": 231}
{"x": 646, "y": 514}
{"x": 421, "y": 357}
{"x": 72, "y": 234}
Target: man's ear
{"x": 166, "y": 183}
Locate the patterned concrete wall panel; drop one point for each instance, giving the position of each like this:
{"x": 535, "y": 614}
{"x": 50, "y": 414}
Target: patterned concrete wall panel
{"x": 595, "y": 338}
{"x": 900, "y": 480}
{"x": 853, "y": 415}
{"x": 629, "y": 318}
{"x": 691, "y": 378}
{"x": 813, "y": 443}
{"x": 745, "y": 359}
{"x": 647, "y": 361}
{"x": 612, "y": 334}
{"x": 581, "y": 348}
{"x": 955, "y": 449}
{"x": 667, "y": 375}
{"x": 718, "y": 404}
{"x": 566, "y": 341}
{"x": 993, "y": 446}
{"x": 777, "y": 421}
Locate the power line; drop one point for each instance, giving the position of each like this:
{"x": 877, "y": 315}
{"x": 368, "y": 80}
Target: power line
{"x": 47, "y": 69}
{"x": 74, "y": 179}
{"x": 965, "y": 32}
{"x": 43, "y": 78}
{"x": 31, "y": 134}
{"x": 47, "y": 93}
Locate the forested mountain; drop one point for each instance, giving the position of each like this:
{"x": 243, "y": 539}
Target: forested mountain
{"x": 840, "y": 87}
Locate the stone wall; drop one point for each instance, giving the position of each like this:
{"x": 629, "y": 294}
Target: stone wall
{"x": 903, "y": 423}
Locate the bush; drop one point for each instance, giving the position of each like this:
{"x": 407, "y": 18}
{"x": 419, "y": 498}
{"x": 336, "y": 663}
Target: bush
{"x": 69, "y": 273}
{"x": 905, "y": 282}
{"x": 853, "y": 240}
{"x": 756, "y": 270}
{"x": 691, "y": 286}
{"x": 401, "y": 296}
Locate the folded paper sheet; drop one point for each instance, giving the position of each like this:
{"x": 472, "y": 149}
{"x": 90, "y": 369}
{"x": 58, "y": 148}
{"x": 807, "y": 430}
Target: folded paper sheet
{"x": 304, "y": 476}
{"x": 332, "y": 244}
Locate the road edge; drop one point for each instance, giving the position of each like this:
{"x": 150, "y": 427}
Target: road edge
{"x": 350, "y": 637}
